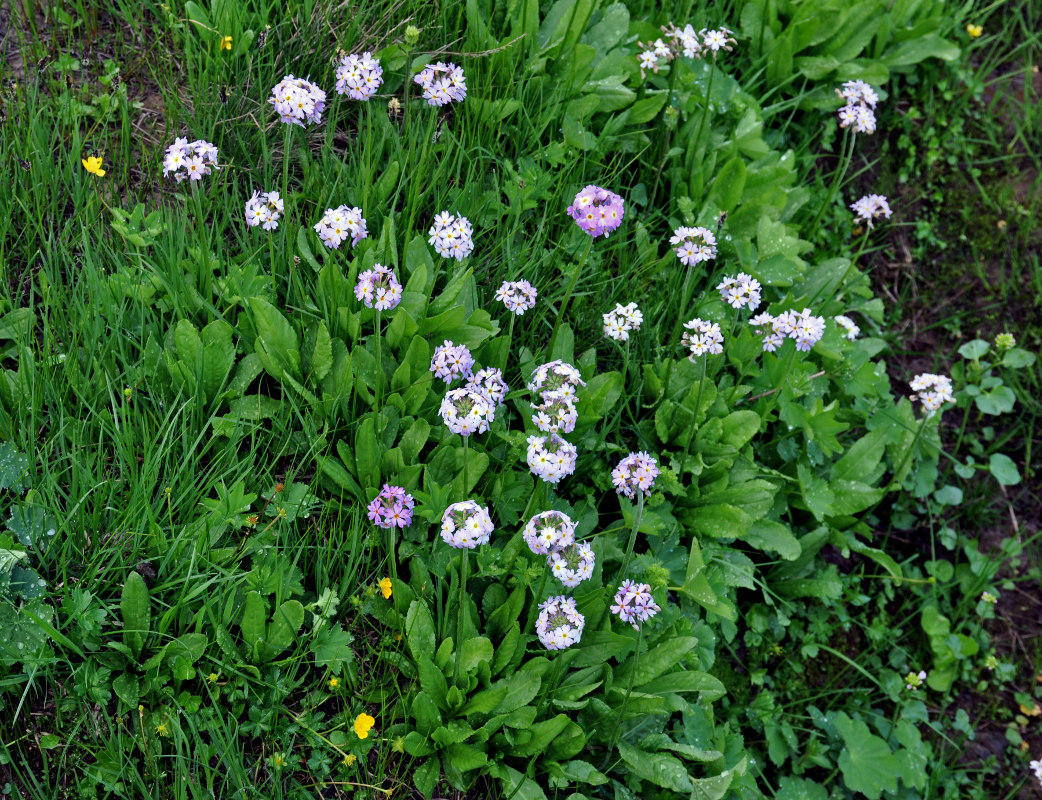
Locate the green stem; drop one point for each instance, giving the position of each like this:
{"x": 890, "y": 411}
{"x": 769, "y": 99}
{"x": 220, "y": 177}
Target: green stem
{"x": 705, "y": 109}
{"x": 698, "y": 406}
{"x": 379, "y": 361}
{"x": 393, "y": 566}
{"x": 773, "y": 398}
{"x": 568, "y": 294}
{"x": 460, "y": 611}
{"x": 633, "y": 534}
{"x": 287, "y": 142}
{"x": 466, "y": 465}
{"x": 848, "y": 153}
{"x": 626, "y": 699}
{"x": 536, "y": 598}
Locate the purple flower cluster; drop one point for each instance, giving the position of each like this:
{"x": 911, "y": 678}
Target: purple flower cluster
{"x": 741, "y": 291}
{"x": 489, "y": 382}
{"x": 378, "y": 288}
{"x": 704, "y": 338}
{"x": 693, "y": 245}
{"x": 466, "y": 525}
{"x": 802, "y": 326}
{"x": 392, "y": 508}
{"x": 555, "y": 379}
{"x": 551, "y": 457}
{"x": 190, "y": 160}
{"x": 556, "y": 414}
{"x": 871, "y": 207}
{"x": 634, "y": 604}
{"x": 635, "y": 473}
{"x": 298, "y": 101}
{"x": 847, "y": 324}
{"x": 442, "y": 84}
{"x": 340, "y": 223}
{"x": 264, "y": 209}
{"x": 517, "y": 296}
{"x": 452, "y": 236}
{"x": 359, "y": 76}
{"x": 549, "y": 531}
{"x": 466, "y": 412}
{"x": 452, "y": 361}
{"x": 597, "y": 211}
{"x": 572, "y": 565}
{"x": 858, "y": 112}
{"x": 560, "y": 624}
{"x": 933, "y": 390}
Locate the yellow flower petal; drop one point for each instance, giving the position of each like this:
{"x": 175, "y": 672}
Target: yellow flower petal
{"x": 974, "y": 30}
{"x": 226, "y": 42}
{"x": 385, "y": 587}
{"x": 93, "y": 166}
{"x": 363, "y": 724}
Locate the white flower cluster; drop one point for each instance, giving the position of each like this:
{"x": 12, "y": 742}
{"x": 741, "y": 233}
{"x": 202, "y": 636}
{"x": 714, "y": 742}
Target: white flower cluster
{"x": 551, "y": 457}
{"x": 556, "y": 414}
{"x": 572, "y": 565}
{"x": 264, "y": 209}
{"x": 804, "y": 327}
{"x": 466, "y": 525}
{"x": 466, "y": 412}
{"x": 933, "y": 390}
{"x": 555, "y": 379}
{"x": 359, "y": 76}
{"x": 914, "y": 680}
{"x": 517, "y": 296}
{"x": 452, "y": 236}
{"x": 442, "y": 84}
{"x": 871, "y": 207}
{"x": 847, "y": 324}
{"x": 560, "y": 624}
{"x": 339, "y": 223}
{"x": 683, "y": 41}
{"x": 1036, "y": 768}
{"x": 549, "y": 531}
{"x": 741, "y": 291}
{"x": 635, "y": 473}
{"x": 634, "y": 604}
{"x": 378, "y": 288}
{"x": 297, "y": 101}
{"x": 693, "y": 245}
{"x": 706, "y": 338}
{"x": 621, "y": 320}
{"x": 489, "y": 382}
{"x": 190, "y": 160}
{"x": 452, "y": 361}
{"x": 858, "y": 112}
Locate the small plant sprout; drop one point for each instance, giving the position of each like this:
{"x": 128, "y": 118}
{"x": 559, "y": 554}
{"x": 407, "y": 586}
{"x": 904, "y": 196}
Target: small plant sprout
{"x": 858, "y": 112}
{"x": 452, "y": 361}
{"x": 517, "y": 296}
{"x": 340, "y": 224}
{"x": 572, "y": 565}
{"x": 442, "y": 83}
{"x": 298, "y": 101}
{"x": 741, "y": 291}
{"x": 932, "y": 390}
{"x": 192, "y": 160}
{"x": 549, "y": 532}
{"x": 391, "y": 508}
{"x": 702, "y": 338}
{"x": 551, "y": 457}
{"x": 466, "y": 412}
{"x": 597, "y": 211}
{"x": 634, "y": 604}
{"x": 848, "y": 325}
{"x": 363, "y": 724}
{"x": 465, "y": 525}
{"x": 452, "y": 236}
{"x": 489, "y": 382}
{"x": 378, "y": 288}
{"x": 693, "y": 245}
{"x": 621, "y": 320}
{"x": 871, "y": 207}
{"x": 264, "y": 209}
{"x": 635, "y": 475}
{"x": 559, "y": 624}
{"x": 359, "y": 76}
{"x": 913, "y": 680}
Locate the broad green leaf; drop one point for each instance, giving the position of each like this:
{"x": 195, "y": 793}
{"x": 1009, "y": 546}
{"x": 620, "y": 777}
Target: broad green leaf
{"x": 975, "y": 349}
{"x": 278, "y": 341}
{"x": 254, "y": 620}
{"x": 543, "y": 733}
{"x": 867, "y": 763}
{"x": 661, "y": 769}
{"x": 999, "y": 400}
{"x": 135, "y": 607}
{"x": 919, "y": 49}
{"x": 657, "y": 660}
{"x": 1004, "y": 470}
{"x": 282, "y": 631}
{"x": 13, "y": 468}
{"x": 475, "y": 650}
{"x": 332, "y": 649}
{"x": 419, "y": 630}
{"x": 773, "y": 537}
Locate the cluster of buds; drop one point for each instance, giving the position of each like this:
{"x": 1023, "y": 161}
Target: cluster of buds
{"x": 452, "y": 236}
{"x": 378, "y": 288}
{"x": 741, "y": 291}
{"x": 634, "y": 604}
{"x": 560, "y": 624}
{"x": 442, "y": 84}
{"x": 392, "y": 508}
{"x": 693, "y": 245}
{"x": 550, "y": 457}
{"x": 871, "y": 207}
{"x": 597, "y": 211}
{"x": 489, "y": 382}
{"x": 264, "y": 209}
{"x": 702, "y": 338}
{"x": 298, "y": 101}
{"x": 933, "y": 390}
{"x": 190, "y": 160}
{"x": 466, "y": 525}
{"x": 861, "y": 99}
{"x": 913, "y": 680}
{"x": 802, "y": 326}
{"x": 359, "y": 76}
{"x": 340, "y": 223}
{"x": 548, "y": 532}
{"x": 572, "y": 565}
{"x": 635, "y": 473}
{"x": 621, "y": 320}
{"x": 847, "y": 324}
{"x": 683, "y": 42}
{"x": 466, "y": 412}
{"x": 517, "y": 296}
{"x": 452, "y": 361}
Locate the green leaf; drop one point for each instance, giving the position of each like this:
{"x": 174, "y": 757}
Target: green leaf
{"x": 999, "y": 400}
{"x": 739, "y": 427}
{"x": 660, "y": 768}
{"x": 475, "y": 650}
{"x": 1018, "y": 358}
{"x": 282, "y": 631}
{"x": 276, "y": 340}
{"x": 254, "y": 620}
{"x": 183, "y": 652}
{"x": 1004, "y": 470}
{"x": 419, "y": 630}
{"x": 919, "y": 49}
{"x": 867, "y": 764}
{"x": 127, "y": 687}
{"x": 136, "y": 610}
{"x": 775, "y": 538}
{"x": 332, "y": 649}
{"x": 13, "y": 468}
{"x": 320, "y": 359}
{"x": 543, "y": 733}
{"x": 656, "y": 661}
{"x": 975, "y": 349}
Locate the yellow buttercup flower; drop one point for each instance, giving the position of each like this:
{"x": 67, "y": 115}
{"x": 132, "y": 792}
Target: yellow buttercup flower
{"x": 385, "y": 587}
{"x": 93, "y": 166}
{"x": 363, "y": 724}
{"x": 974, "y": 30}
{"x": 334, "y": 683}
{"x": 350, "y": 759}
{"x": 226, "y": 42}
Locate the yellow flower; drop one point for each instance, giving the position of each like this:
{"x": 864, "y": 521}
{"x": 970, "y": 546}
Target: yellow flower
{"x": 385, "y": 587}
{"x": 161, "y": 729}
{"x": 278, "y": 761}
{"x": 226, "y": 42}
{"x": 363, "y": 725}
{"x": 974, "y": 30}
{"x": 350, "y": 759}
{"x": 334, "y": 683}
{"x": 93, "y": 166}
{"x": 211, "y": 678}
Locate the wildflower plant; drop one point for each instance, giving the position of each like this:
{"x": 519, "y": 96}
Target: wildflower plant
{"x": 572, "y": 565}
{"x": 392, "y": 508}
{"x": 871, "y": 207}
{"x": 551, "y": 457}
{"x": 298, "y": 101}
{"x": 597, "y": 211}
{"x": 932, "y": 390}
{"x": 488, "y": 381}
{"x": 560, "y": 625}
{"x": 693, "y": 245}
{"x": 467, "y": 412}
{"x": 517, "y": 296}
{"x": 378, "y": 288}
{"x": 859, "y": 111}
{"x": 452, "y": 236}
{"x": 442, "y": 83}
{"x": 359, "y": 76}
{"x": 634, "y": 604}
{"x": 339, "y": 224}
{"x": 621, "y": 320}
{"x": 548, "y": 532}
{"x": 466, "y": 525}
{"x": 452, "y": 361}
{"x": 264, "y": 209}
{"x": 190, "y": 160}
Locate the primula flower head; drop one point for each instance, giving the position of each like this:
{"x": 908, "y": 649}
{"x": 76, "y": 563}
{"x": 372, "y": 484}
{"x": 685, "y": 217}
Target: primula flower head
{"x": 378, "y": 288}
{"x": 556, "y": 414}
{"x": 517, "y": 296}
{"x": 560, "y": 624}
{"x": 551, "y": 457}
{"x": 452, "y": 236}
{"x": 451, "y": 361}
{"x": 914, "y": 680}
{"x": 340, "y": 223}
{"x": 191, "y": 160}
{"x": 572, "y": 565}
{"x": 858, "y": 112}
{"x": 359, "y": 76}
{"x": 635, "y": 473}
{"x": 264, "y": 209}
{"x": 702, "y": 338}
{"x": 848, "y": 325}
{"x": 597, "y": 211}
{"x": 548, "y": 532}
{"x": 466, "y": 412}
{"x": 93, "y": 165}
{"x": 871, "y": 207}
{"x": 555, "y": 379}
{"x": 693, "y": 245}
{"x": 716, "y": 40}
{"x": 634, "y": 604}
{"x": 298, "y": 101}
{"x": 489, "y": 382}
{"x": 803, "y": 327}
{"x": 466, "y": 525}
{"x": 933, "y": 390}
{"x": 741, "y": 291}
{"x": 363, "y": 724}
{"x": 391, "y": 508}
{"x": 621, "y": 320}
{"x": 442, "y": 83}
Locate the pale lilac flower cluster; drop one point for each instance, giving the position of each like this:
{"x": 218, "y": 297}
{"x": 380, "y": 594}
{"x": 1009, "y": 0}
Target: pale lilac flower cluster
{"x": 392, "y": 508}
{"x": 933, "y": 390}
{"x": 847, "y": 324}
{"x": 452, "y": 361}
{"x": 621, "y": 320}
{"x": 549, "y": 531}
{"x": 720, "y": 39}
{"x": 693, "y": 245}
{"x": 635, "y": 473}
{"x": 190, "y": 160}
{"x": 871, "y": 207}
{"x": 359, "y": 76}
{"x": 551, "y": 457}
{"x": 741, "y": 291}
{"x": 560, "y": 624}
{"x": 378, "y": 288}
{"x": 858, "y": 112}
{"x": 298, "y": 101}
{"x": 634, "y": 604}
{"x": 803, "y": 327}
{"x": 914, "y": 680}
{"x": 572, "y": 565}
{"x": 597, "y": 211}
{"x": 704, "y": 338}
{"x": 452, "y": 236}
{"x": 517, "y": 296}
{"x": 442, "y": 84}
{"x": 555, "y": 379}
{"x": 489, "y": 382}
{"x": 683, "y": 41}
{"x": 466, "y": 412}
{"x": 466, "y": 525}
{"x": 264, "y": 209}
{"x": 340, "y": 223}
{"x": 555, "y": 414}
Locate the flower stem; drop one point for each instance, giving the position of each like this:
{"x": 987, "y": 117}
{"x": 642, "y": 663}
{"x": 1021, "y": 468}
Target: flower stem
{"x": 466, "y": 465}
{"x": 773, "y": 400}
{"x": 379, "y": 360}
{"x": 848, "y": 153}
{"x": 633, "y": 533}
{"x": 460, "y": 611}
{"x": 626, "y": 699}
{"x": 287, "y": 142}
{"x": 698, "y": 406}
